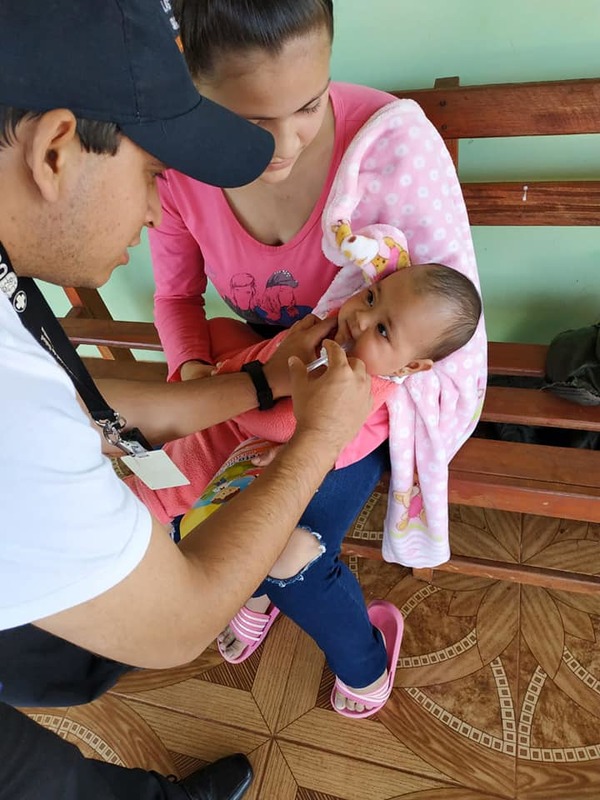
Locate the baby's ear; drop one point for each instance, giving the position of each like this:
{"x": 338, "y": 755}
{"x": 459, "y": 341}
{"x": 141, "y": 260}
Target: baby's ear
{"x": 418, "y": 365}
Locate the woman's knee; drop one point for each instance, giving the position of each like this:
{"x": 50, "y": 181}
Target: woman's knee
{"x": 303, "y": 548}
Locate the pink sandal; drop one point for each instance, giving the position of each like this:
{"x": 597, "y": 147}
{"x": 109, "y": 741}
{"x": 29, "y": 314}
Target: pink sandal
{"x": 388, "y": 619}
{"x": 251, "y": 628}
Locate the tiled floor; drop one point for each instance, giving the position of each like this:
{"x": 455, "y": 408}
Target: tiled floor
{"x": 497, "y": 692}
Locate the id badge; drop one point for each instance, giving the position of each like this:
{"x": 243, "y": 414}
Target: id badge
{"x": 156, "y": 470}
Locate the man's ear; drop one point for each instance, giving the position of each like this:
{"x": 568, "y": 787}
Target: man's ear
{"x": 417, "y": 365}
{"x": 53, "y": 141}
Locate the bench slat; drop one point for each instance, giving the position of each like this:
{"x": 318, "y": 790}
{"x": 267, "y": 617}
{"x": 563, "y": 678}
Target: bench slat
{"x": 494, "y": 570}
{"x": 524, "y": 360}
{"x": 141, "y": 335}
{"x": 512, "y": 109}
{"x": 530, "y": 462}
{"x": 534, "y": 407}
{"x": 533, "y": 203}
{"x": 134, "y": 370}
{"x": 556, "y": 500}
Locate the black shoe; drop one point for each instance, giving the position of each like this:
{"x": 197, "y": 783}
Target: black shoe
{"x": 226, "y": 779}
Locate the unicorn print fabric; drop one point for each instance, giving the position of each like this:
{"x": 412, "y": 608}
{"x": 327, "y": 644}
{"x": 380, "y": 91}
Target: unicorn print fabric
{"x": 387, "y": 198}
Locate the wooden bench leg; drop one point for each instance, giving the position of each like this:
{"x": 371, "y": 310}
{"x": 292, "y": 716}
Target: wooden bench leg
{"x": 423, "y": 574}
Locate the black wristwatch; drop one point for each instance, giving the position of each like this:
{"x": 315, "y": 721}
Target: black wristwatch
{"x": 261, "y": 384}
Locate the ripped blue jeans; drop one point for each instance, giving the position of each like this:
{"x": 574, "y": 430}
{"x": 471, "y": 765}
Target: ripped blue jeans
{"x": 325, "y": 599}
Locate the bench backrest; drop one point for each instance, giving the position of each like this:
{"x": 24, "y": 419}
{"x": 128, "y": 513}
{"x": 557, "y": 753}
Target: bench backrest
{"x": 550, "y": 108}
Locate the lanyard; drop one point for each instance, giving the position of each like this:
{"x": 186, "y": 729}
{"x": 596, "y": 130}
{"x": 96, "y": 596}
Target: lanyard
{"x": 37, "y": 316}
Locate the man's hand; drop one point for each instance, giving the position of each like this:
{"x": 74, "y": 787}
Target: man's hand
{"x": 195, "y": 369}
{"x": 333, "y": 405}
{"x": 303, "y": 341}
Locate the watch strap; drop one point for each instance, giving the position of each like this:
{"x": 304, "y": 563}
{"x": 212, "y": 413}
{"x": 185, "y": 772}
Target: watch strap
{"x": 261, "y": 385}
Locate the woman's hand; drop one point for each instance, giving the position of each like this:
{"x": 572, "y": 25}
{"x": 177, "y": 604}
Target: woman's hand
{"x": 303, "y": 341}
{"x": 195, "y": 369}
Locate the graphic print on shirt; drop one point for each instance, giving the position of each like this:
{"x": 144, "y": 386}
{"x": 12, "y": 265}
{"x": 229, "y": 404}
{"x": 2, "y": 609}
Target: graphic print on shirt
{"x": 275, "y": 305}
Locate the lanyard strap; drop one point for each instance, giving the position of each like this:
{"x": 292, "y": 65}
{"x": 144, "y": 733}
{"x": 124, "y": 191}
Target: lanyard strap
{"x": 37, "y": 316}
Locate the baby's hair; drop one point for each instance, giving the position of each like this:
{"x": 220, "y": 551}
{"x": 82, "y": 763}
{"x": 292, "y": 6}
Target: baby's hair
{"x": 211, "y": 28}
{"x": 462, "y": 301}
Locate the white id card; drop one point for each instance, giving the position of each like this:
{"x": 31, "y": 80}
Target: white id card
{"x": 156, "y": 470}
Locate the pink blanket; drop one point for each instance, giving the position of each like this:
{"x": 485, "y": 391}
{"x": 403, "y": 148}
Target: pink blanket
{"x": 397, "y": 180}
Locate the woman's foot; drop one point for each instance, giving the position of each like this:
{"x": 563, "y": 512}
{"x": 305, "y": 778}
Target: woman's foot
{"x": 341, "y": 702}
{"x": 229, "y": 645}
{"x": 368, "y": 700}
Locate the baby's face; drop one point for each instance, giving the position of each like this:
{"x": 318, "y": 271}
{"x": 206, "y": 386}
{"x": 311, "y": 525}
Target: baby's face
{"x": 389, "y": 326}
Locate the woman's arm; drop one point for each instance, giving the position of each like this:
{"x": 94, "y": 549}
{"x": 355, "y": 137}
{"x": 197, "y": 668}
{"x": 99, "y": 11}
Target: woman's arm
{"x": 180, "y": 285}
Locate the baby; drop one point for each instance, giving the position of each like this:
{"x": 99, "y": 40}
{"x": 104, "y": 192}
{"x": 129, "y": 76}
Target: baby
{"x": 410, "y": 319}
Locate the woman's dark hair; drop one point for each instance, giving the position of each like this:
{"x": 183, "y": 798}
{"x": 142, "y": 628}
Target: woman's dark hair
{"x": 463, "y": 303}
{"x": 95, "y": 137}
{"x": 209, "y": 28}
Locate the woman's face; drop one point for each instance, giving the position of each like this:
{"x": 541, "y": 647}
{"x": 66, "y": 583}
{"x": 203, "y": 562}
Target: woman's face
{"x": 286, "y": 94}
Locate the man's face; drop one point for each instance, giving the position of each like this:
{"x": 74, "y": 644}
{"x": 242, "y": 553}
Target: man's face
{"x": 107, "y": 201}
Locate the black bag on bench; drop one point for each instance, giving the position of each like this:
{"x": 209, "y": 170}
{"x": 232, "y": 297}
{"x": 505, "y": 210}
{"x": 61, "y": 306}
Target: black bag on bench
{"x": 572, "y": 372}
{"x": 573, "y": 366}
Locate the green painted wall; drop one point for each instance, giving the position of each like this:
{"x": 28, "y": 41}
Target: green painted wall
{"x": 535, "y": 281}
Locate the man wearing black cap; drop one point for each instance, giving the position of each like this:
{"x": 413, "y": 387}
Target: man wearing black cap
{"x": 95, "y": 100}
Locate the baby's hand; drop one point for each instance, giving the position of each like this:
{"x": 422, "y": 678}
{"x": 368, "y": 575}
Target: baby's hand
{"x": 192, "y": 370}
{"x": 264, "y": 459}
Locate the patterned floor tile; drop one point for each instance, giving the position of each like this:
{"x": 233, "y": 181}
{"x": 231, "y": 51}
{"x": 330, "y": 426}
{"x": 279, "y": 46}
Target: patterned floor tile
{"x": 497, "y": 693}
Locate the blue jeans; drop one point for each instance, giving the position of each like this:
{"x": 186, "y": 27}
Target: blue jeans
{"x": 325, "y": 600}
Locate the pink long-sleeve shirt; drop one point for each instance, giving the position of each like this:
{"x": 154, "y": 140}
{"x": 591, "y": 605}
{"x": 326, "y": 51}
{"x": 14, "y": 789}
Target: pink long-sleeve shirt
{"x": 200, "y": 238}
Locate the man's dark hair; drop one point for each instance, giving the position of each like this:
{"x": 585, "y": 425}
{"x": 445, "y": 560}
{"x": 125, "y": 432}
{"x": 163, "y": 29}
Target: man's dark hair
{"x": 462, "y": 301}
{"x": 209, "y": 28}
{"x": 95, "y": 137}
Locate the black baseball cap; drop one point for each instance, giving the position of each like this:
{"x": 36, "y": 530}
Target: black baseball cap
{"x": 118, "y": 61}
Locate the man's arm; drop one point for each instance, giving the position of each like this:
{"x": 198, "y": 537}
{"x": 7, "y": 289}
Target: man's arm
{"x": 166, "y": 411}
{"x": 179, "y": 598}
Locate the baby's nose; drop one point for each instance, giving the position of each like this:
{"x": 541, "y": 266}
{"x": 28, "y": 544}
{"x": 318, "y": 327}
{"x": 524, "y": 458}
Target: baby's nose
{"x": 362, "y": 320}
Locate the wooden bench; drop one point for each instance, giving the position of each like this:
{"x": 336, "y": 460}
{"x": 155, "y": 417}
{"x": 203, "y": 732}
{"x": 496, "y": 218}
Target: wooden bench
{"x": 550, "y": 481}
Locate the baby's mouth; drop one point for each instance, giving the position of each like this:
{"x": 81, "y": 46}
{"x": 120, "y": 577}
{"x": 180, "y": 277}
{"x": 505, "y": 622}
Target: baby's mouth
{"x": 342, "y": 335}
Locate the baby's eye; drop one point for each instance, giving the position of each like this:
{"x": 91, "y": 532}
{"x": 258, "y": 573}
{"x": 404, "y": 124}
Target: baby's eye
{"x": 370, "y": 297}
{"x": 382, "y": 330}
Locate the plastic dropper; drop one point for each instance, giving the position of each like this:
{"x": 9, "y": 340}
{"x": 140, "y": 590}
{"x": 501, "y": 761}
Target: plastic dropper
{"x": 323, "y": 358}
